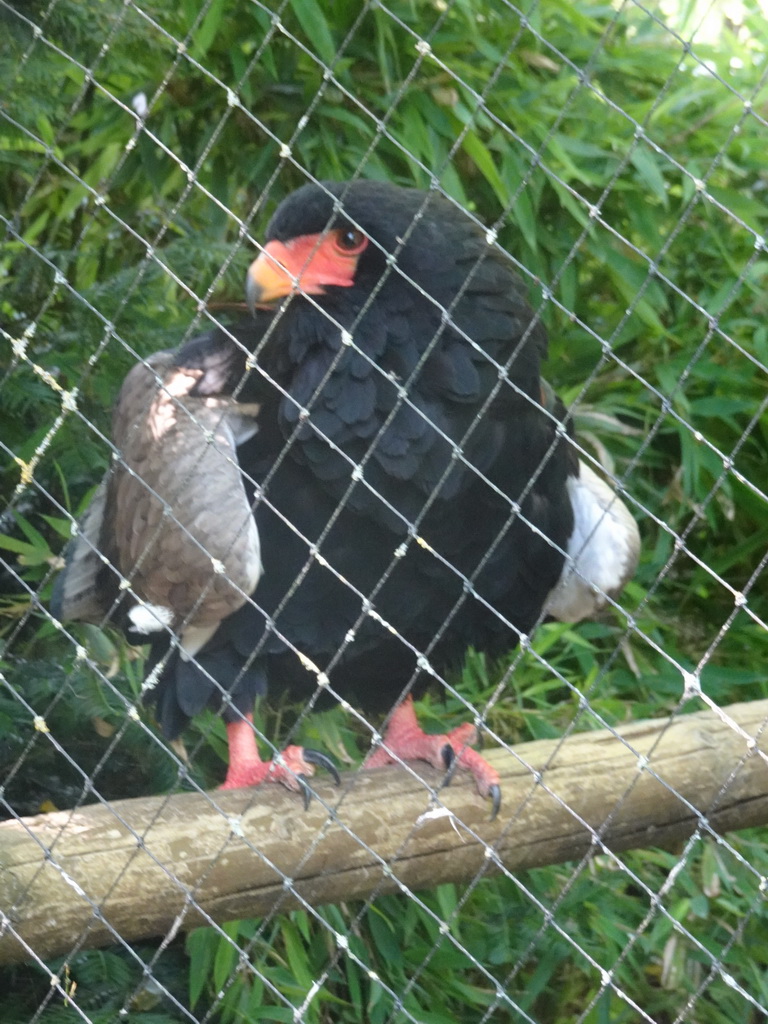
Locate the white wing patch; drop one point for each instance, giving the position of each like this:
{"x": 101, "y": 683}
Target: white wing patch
{"x": 603, "y": 549}
{"x": 150, "y": 618}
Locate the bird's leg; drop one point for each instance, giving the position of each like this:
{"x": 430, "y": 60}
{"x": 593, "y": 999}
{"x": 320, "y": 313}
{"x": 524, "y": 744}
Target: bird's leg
{"x": 246, "y": 767}
{"x": 405, "y": 740}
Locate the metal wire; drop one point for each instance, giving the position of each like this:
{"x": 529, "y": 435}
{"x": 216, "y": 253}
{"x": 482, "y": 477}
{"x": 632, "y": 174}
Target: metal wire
{"x": 504, "y": 1000}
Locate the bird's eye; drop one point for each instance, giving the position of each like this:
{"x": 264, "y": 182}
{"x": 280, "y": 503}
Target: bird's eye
{"x": 350, "y": 241}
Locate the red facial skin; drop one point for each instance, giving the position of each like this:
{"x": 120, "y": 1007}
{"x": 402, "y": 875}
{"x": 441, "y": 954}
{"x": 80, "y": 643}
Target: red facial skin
{"x": 308, "y": 263}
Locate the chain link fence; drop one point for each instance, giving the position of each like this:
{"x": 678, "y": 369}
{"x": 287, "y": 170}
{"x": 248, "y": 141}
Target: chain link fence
{"x": 615, "y": 153}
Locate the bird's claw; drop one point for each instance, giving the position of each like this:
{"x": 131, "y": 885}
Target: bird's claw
{"x": 314, "y": 757}
{"x": 317, "y": 757}
{"x": 452, "y": 760}
{"x": 306, "y": 791}
{"x": 405, "y": 740}
{"x": 494, "y": 794}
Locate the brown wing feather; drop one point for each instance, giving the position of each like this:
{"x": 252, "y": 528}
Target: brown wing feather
{"x": 185, "y": 534}
{"x": 78, "y": 595}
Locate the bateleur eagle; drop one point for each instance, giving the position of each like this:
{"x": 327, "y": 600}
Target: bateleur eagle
{"x": 412, "y": 478}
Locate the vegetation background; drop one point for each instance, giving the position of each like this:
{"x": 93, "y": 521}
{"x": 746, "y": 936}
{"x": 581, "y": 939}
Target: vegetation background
{"x": 625, "y": 170}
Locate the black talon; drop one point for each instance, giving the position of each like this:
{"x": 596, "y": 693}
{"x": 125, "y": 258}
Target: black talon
{"x": 322, "y": 761}
{"x": 449, "y": 756}
{"x": 494, "y": 792}
{"x": 306, "y": 792}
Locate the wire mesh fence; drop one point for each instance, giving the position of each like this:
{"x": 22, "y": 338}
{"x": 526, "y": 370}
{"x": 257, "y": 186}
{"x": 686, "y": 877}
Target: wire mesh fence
{"x": 613, "y": 156}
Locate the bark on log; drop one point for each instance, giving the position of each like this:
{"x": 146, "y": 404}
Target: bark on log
{"x": 144, "y": 867}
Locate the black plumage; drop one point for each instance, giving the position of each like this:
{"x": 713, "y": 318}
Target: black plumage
{"x": 410, "y": 477}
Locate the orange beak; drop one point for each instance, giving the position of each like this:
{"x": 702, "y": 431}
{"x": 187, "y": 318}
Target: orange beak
{"x": 269, "y": 278}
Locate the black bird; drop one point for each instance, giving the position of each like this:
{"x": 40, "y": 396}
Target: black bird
{"x": 414, "y": 485}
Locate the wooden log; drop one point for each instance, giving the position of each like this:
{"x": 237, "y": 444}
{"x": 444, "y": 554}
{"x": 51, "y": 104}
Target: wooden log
{"x": 150, "y": 866}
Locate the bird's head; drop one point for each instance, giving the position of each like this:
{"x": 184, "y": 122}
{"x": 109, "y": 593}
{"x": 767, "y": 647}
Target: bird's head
{"x": 336, "y": 236}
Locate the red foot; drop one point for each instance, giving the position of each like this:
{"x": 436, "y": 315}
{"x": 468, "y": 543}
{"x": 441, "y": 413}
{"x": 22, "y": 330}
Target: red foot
{"x": 406, "y": 740}
{"x": 246, "y": 767}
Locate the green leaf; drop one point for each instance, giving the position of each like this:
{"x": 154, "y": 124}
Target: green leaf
{"x": 484, "y": 161}
{"x": 750, "y": 210}
{"x": 200, "y": 944}
{"x": 29, "y": 554}
{"x": 313, "y": 21}
{"x": 296, "y": 953}
{"x": 60, "y": 524}
{"x": 33, "y": 536}
{"x": 33, "y": 231}
{"x": 74, "y": 195}
{"x": 226, "y": 956}
{"x": 208, "y": 28}
{"x": 646, "y": 164}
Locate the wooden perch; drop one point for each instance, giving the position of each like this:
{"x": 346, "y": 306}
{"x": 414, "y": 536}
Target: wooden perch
{"x": 150, "y": 866}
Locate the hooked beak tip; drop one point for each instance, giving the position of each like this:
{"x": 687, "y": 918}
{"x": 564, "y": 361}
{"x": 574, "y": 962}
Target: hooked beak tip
{"x": 253, "y": 293}
{"x": 267, "y": 280}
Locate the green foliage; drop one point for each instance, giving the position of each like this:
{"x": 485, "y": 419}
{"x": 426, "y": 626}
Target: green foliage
{"x": 106, "y": 985}
{"x": 628, "y": 181}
